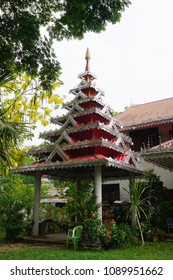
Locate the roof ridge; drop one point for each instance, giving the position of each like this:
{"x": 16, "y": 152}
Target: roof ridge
{"x": 135, "y": 105}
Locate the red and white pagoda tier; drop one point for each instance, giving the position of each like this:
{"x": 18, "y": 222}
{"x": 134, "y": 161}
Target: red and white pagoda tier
{"x": 88, "y": 136}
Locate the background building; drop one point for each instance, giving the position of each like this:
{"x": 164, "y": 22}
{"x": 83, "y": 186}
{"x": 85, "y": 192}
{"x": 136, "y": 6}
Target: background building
{"x": 150, "y": 126}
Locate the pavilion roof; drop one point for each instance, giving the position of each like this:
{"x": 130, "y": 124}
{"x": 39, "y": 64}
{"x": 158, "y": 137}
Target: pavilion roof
{"x": 161, "y": 154}
{"x": 84, "y": 165}
{"x": 165, "y": 146}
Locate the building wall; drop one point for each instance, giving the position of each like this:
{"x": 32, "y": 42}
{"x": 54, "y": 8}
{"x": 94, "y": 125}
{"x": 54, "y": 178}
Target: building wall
{"x": 124, "y": 190}
{"x": 165, "y": 175}
{"x": 164, "y": 131}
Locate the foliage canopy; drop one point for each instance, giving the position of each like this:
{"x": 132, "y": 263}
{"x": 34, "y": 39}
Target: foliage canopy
{"x": 16, "y": 202}
{"x": 24, "y": 100}
{"x": 12, "y": 134}
{"x": 23, "y": 48}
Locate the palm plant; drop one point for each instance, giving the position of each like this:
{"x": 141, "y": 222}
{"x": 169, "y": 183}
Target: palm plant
{"x": 139, "y": 204}
{"x": 81, "y": 203}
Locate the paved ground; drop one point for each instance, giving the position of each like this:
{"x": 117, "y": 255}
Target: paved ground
{"x": 51, "y": 238}
{"x": 58, "y": 239}
{"x": 56, "y": 236}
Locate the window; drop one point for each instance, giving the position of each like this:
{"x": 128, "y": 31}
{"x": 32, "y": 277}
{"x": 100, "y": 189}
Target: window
{"x": 145, "y": 138}
{"x": 110, "y": 193}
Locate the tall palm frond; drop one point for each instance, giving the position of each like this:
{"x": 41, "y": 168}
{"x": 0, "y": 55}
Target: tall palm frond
{"x": 139, "y": 204}
{"x": 6, "y": 77}
{"x": 12, "y": 135}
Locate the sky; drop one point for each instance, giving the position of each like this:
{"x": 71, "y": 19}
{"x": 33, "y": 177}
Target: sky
{"x": 132, "y": 60}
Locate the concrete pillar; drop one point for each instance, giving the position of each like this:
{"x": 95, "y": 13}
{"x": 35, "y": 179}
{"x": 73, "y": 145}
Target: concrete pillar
{"x": 98, "y": 188}
{"x": 36, "y": 210}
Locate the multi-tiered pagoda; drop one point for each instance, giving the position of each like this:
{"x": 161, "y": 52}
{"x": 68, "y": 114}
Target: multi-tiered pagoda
{"x": 86, "y": 145}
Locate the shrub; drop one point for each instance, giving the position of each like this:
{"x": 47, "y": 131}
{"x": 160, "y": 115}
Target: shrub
{"x": 123, "y": 236}
{"x": 105, "y": 237}
{"x": 16, "y": 199}
{"x": 16, "y": 227}
{"x": 152, "y": 233}
{"x": 119, "y": 236}
{"x": 91, "y": 229}
{"x": 81, "y": 202}
{"x": 160, "y": 214}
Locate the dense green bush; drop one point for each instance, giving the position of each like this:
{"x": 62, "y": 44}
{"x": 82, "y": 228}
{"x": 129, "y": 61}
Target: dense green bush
{"x": 118, "y": 236}
{"x": 159, "y": 214}
{"x": 123, "y": 236}
{"x": 16, "y": 202}
{"x": 92, "y": 228}
{"x": 81, "y": 202}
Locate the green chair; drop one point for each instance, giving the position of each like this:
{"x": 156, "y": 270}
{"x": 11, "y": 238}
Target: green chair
{"x": 74, "y": 235}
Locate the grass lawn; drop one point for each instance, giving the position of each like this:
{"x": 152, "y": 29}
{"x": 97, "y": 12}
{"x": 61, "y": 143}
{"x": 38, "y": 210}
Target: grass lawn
{"x": 151, "y": 251}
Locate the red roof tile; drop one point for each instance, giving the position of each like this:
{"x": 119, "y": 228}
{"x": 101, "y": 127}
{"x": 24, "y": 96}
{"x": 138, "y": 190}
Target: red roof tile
{"x": 164, "y": 146}
{"x": 146, "y": 115}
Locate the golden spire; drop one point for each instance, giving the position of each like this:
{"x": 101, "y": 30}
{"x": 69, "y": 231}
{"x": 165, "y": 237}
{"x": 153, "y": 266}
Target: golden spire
{"x": 87, "y": 57}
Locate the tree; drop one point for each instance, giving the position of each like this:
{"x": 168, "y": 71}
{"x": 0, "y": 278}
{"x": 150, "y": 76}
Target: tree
{"x": 24, "y": 100}
{"x": 12, "y": 135}
{"x": 23, "y": 48}
{"x": 160, "y": 209}
{"x": 81, "y": 202}
{"x": 156, "y": 188}
{"x": 20, "y": 106}
{"x": 16, "y": 202}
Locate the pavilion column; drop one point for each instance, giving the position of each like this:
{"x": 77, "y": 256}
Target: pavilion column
{"x": 36, "y": 210}
{"x": 98, "y": 188}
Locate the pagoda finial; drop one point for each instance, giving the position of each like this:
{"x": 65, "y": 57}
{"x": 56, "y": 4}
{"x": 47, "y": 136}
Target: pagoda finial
{"x": 87, "y": 57}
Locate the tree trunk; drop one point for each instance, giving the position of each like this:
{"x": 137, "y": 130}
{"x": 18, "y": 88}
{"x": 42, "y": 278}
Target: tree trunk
{"x": 141, "y": 233}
